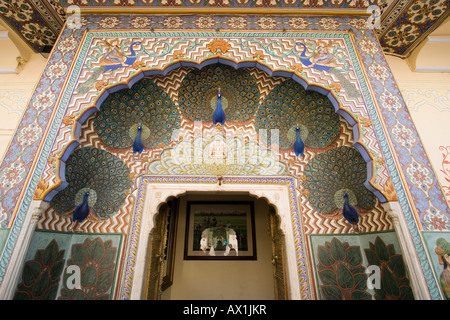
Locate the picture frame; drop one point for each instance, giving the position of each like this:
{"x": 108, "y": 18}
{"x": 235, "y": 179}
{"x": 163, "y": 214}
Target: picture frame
{"x": 220, "y": 230}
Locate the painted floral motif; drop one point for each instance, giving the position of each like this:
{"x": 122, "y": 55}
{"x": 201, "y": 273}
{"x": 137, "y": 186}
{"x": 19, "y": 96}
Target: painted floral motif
{"x": 435, "y": 220}
{"x": 19, "y": 10}
{"x": 360, "y": 24}
{"x": 446, "y": 169}
{"x": 205, "y": 22}
{"x": 298, "y": 23}
{"x": 12, "y": 174}
{"x": 402, "y": 35}
{"x": 68, "y": 44}
{"x": 173, "y": 22}
{"x": 368, "y": 46}
{"x": 403, "y": 135}
{"x": 38, "y": 34}
{"x": 109, "y": 22}
{"x": 426, "y": 10}
{"x": 141, "y": 22}
{"x": 44, "y": 100}
{"x": 56, "y": 70}
{"x": 84, "y": 21}
{"x": 390, "y": 102}
{"x": 237, "y": 22}
{"x": 29, "y": 134}
{"x": 416, "y": 21}
{"x": 328, "y": 23}
{"x": 378, "y": 72}
{"x": 267, "y": 23}
{"x": 419, "y": 175}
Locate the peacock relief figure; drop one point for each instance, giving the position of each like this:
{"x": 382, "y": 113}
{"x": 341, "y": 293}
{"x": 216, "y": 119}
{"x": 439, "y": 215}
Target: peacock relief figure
{"x": 305, "y": 119}
{"x": 143, "y": 116}
{"x": 97, "y": 184}
{"x": 335, "y": 183}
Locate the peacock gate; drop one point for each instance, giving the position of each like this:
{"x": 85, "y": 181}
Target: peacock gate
{"x": 122, "y": 119}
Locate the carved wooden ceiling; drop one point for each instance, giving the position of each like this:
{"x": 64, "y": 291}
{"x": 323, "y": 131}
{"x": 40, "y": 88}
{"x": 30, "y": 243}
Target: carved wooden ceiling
{"x": 404, "y": 24}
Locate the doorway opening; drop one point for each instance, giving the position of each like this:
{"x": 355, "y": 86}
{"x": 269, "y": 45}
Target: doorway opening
{"x": 171, "y": 276}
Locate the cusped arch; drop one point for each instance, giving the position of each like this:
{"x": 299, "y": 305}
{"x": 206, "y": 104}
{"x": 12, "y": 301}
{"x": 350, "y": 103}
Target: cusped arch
{"x": 277, "y": 194}
{"x": 163, "y": 196}
{"x": 351, "y": 120}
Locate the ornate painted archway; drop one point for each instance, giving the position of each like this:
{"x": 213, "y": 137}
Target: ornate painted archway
{"x": 70, "y": 93}
{"x": 347, "y": 102}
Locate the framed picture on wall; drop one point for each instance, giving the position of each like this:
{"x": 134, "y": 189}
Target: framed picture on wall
{"x": 220, "y": 230}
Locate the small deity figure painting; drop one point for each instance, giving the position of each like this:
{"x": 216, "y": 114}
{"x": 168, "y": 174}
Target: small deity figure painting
{"x": 218, "y": 149}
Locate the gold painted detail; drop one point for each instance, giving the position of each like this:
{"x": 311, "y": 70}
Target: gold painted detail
{"x": 218, "y": 46}
{"x": 41, "y": 189}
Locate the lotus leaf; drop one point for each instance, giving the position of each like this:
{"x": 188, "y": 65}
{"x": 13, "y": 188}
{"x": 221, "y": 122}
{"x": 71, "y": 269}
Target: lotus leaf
{"x": 41, "y": 275}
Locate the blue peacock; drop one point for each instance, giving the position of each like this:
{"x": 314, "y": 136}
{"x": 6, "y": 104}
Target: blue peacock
{"x": 218, "y": 115}
{"x": 199, "y": 99}
{"x": 138, "y": 146}
{"x": 331, "y": 177}
{"x": 97, "y": 183}
{"x": 81, "y": 212}
{"x": 138, "y": 118}
{"x": 303, "y": 118}
{"x": 299, "y": 146}
{"x": 112, "y": 59}
{"x": 350, "y": 213}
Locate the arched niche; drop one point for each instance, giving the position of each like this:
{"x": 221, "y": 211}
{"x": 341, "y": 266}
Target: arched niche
{"x": 278, "y": 194}
{"x": 49, "y": 194}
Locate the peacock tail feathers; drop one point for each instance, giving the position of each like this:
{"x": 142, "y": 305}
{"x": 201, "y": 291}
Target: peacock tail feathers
{"x": 104, "y": 175}
{"x": 198, "y": 93}
{"x": 331, "y": 173}
{"x": 349, "y": 87}
{"x": 289, "y": 105}
{"x": 90, "y": 82}
{"x": 146, "y": 104}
